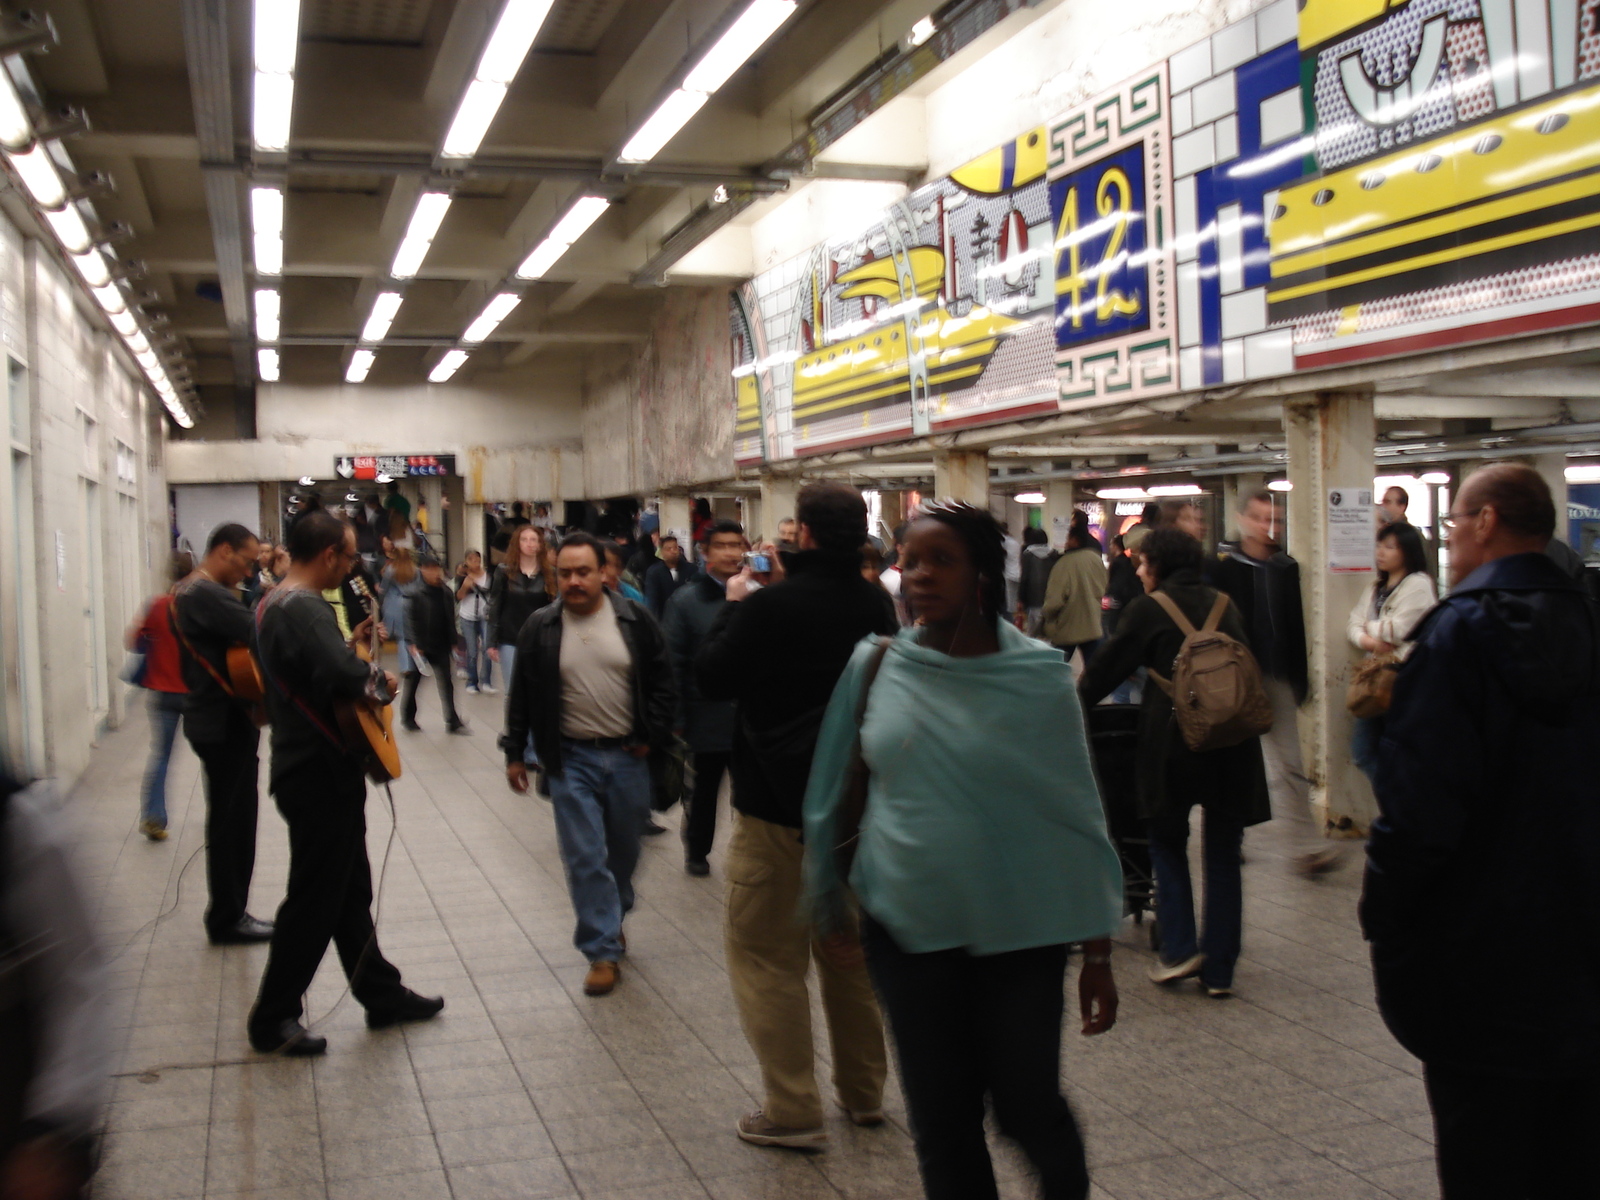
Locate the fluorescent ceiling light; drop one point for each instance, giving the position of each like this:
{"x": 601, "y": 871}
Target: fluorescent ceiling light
{"x": 137, "y": 341}
{"x": 1437, "y": 478}
{"x": 734, "y": 48}
{"x": 92, "y": 266}
{"x": 1126, "y": 493}
{"x": 425, "y": 218}
{"x": 1280, "y": 485}
{"x": 16, "y": 130}
{"x": 512, "y": 38}
{"x": 448, "y": 366}
{"x": 493, "y": 313}
{"x": 567, "y": 230}
{"x": 266, "y": 314}
{"x": 473, "y": 117}
{"x": 1586, "y": 474}
{"x": 124, "y": 323}
{"x": 360, "y": 364}
{"x": 408, "y": 258}
{"x": 110, "y": 299}
{"x": 921, "y": 31}
{"x": 69, "y": 227}
{"x": 1177, "y": 489}
{"x": 383, "y": 311}
{"x": 274, "y": 102}
{"x": 148, "y": 360}
{"x": 269, "y": 254}
{"x": 662, "y": 126}
{"x": 266, "y": 211}
{"x": 39, "y": 175}
{"x": 267, "y": 364}
{"x": 1029, "y": 497}
{"x": 277, "y": 35}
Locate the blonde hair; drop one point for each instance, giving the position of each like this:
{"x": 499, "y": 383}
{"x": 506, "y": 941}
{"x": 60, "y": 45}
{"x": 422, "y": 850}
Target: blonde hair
{"x": 404, "y": 564}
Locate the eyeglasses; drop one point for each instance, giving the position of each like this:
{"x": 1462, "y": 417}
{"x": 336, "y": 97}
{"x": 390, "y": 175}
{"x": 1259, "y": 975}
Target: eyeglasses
{"x": 1451, "y": 520}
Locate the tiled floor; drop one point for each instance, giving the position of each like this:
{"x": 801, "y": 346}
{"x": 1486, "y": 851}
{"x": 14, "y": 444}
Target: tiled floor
{"x": 526, "y": 1088}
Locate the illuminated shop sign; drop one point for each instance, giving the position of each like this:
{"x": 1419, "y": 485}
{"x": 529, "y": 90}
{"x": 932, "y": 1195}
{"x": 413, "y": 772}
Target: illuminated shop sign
{"x": 394, "y": 466}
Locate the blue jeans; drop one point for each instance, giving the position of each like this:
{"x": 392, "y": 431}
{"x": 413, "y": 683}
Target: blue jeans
{"x": 479, "y": 665}
{"x": 166, "y": 709}
{"x": 1364, "y": 746}
{"x": 508, "y": 659}
{"x": 601, "y": 799}
{"x": 1224, "y": 898}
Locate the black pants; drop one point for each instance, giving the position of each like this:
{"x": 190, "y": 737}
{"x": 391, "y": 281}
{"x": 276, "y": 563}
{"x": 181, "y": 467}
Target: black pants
{"x": 965, "y": 1026}
{"x": 700, "y": 821}
{"x": 230, "y": 767}
{"x": 328, "y": 898}
{"x": 444, "y": 676}
{"x": 1513, "y": 1139}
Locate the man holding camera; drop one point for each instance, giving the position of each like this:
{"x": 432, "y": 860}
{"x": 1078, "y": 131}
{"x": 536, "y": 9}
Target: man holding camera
{"x": 778, "y": 652}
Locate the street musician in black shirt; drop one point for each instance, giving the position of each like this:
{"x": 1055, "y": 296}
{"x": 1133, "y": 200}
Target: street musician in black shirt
{"x": 321, "y": 790}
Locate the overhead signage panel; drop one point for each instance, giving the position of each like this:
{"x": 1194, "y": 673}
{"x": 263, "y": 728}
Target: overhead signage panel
{"x": 393, "y": 466}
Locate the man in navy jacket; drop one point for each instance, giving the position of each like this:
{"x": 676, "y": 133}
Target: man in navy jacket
{"x": 1482, "y": 890}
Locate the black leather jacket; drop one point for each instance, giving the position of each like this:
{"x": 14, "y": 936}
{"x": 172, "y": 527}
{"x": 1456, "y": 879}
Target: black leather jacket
{"x": 535, "y": 701}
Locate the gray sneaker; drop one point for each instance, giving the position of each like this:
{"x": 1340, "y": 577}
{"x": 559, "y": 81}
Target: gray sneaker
{"x": 1172, "y": 972}
{"x": 759, "y": 1130}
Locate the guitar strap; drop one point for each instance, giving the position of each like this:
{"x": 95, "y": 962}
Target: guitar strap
{"x": 177, "y": 629}
{"x": 306, "y": 710}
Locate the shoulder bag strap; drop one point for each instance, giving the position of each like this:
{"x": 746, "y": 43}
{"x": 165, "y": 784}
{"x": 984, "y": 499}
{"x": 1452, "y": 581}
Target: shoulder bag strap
{"x": 177, "y": 629}
{"x": 853, "y": 809}
{"x": 1185, "y": 626}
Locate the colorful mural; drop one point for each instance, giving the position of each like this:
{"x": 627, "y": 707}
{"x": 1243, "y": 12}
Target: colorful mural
{"x": 937, "y": 315}
{"x": 1324, "y": 182}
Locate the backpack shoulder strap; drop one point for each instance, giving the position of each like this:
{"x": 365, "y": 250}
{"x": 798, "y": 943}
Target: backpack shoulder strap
{"x": 1185, "y": 626}
{"x": 1215, "y": 618}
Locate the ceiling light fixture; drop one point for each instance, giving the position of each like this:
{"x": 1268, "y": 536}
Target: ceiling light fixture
{"x": 1029, "y": 497}
{"x": 276, "y": 42}
{"x": 267, "y": 364}
{"x": 1177, "y": 489}
{"x": 921, "y": 31}
{"x": 16, "y": 130}
{"x": 448, "y": 366}
{"x": 266, "y": 314}
{"x": 266, "y": 220}
{"x": 728, "y": 53}
{"x": 1437, "y": 478}
{"x": 1280, "y": 485}
{"x": 508, "y": 45}
{"x": 424, "y": 224}
{"x": 360, "y": 364}
{"x": 69, "y": 227}
{"x": 92, "y": 266}
{"x": 493, "y": 313}
{"x": 383, "y": 311}
{"x": 125, "y": 324}
{"x": 38, "y": 173}
{"x": 572, "y": 226}
{"x": 110, "y": 299}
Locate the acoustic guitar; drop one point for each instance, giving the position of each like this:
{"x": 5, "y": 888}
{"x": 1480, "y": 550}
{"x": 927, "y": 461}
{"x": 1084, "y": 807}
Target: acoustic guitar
{"x": 368, "y": 727}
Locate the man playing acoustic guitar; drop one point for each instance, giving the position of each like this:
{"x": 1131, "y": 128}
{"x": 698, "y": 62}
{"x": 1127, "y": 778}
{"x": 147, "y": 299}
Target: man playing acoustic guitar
{"x": 209, "y": 618}
{"x": 320, "y": 786}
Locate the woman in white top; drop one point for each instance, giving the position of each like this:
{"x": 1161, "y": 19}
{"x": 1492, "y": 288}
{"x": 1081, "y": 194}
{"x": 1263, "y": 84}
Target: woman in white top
{"x": 472, "y": 590}
{"x": 1382, "y": 620}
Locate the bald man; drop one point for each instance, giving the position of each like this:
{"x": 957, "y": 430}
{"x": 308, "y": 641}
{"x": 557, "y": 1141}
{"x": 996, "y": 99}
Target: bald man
{"x": 1482, "y": 890}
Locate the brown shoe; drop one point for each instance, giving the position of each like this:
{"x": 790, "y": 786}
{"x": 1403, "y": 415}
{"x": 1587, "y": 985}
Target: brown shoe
{"x": 602, "y": 977}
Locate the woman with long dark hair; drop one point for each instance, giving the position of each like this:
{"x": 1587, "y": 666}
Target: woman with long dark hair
{"x": 983, "y": 854}
{"x": 520, "y": 587}
{"x": 1383, "y": 618}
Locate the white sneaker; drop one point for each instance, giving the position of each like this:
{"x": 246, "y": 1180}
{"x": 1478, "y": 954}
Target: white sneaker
{"x": 1171, "y": 973}
{"x": 471, "y": 690}
{"x": 488, "y": 689}
{"x": 760, "y": 1130}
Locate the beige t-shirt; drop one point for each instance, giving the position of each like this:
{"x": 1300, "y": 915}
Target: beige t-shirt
{"x": 596, "y": 689}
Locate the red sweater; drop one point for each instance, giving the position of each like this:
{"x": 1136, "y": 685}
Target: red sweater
{"x": 163, "y": 672}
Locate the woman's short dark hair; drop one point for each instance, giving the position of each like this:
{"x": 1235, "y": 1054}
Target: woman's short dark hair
{"x": 836, "y": 515}
{"x": 1409, "y": 542}
{"x": 1167, "y": 551}
{"x": 1034, "y": 536}
{"x": 313, "y": 533}
{"x": 985, "y": 546}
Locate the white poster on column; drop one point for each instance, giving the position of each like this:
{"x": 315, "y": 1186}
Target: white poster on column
{"x": 1351, "y": 530}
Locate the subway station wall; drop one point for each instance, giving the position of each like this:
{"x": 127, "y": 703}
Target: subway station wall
{"x": 1320, "y": 183}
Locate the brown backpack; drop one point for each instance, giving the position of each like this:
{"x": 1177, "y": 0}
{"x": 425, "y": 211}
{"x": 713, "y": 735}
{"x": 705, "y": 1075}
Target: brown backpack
{"x": 1216, "y": 689}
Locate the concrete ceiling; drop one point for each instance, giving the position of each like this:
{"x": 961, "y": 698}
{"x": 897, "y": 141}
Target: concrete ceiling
{"x": 376, "y": 86}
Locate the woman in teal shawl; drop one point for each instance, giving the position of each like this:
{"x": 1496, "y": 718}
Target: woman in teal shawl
{"x": 982, "y": 854}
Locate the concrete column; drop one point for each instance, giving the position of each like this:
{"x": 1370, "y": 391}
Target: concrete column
{"x": 675, "y": 518}
{"x": 750, "y": 512}
{"x": 1330, "y": 436}
{"x": 777, "y": 502}
{"x": 961, "y": 475}
{"x": 1058, "y": 511}
{"x": 1554, "y": 469}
